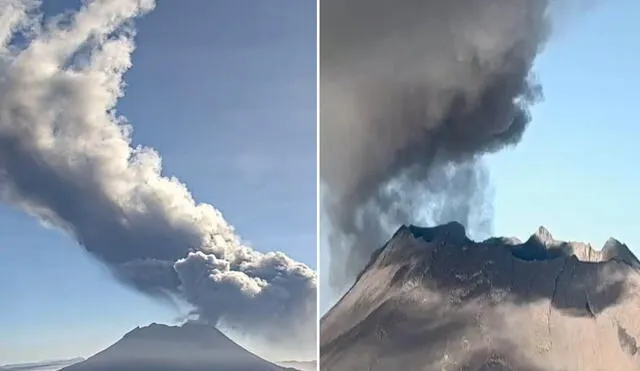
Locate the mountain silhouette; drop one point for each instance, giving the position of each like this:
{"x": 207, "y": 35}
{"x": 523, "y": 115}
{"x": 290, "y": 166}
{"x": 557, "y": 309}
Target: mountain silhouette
{"x": 300, "y": 365}
{"x": 190, "y": 347}
{"x": 432, "y": 299}
{"x": 48, "y": 365}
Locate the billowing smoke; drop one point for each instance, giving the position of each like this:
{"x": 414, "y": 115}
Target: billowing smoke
{"x": 412, "y": 94}
{"x": 66, "y": 157}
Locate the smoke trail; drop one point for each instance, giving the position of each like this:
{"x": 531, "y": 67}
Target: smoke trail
{"x": 66, "y": 157}
{"x": 413, "y": 92}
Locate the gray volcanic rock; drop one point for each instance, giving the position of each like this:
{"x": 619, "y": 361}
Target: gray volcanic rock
{"x": 190, "y": 347}
{"x": 432, "y": 299}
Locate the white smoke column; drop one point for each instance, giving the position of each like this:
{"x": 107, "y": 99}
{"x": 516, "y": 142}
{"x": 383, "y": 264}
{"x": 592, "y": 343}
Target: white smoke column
{"x": 66, "y": 157}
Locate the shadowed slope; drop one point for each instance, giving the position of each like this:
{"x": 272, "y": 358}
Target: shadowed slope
{"x": 432, "y": 299}
{"x": 191, "y": 347}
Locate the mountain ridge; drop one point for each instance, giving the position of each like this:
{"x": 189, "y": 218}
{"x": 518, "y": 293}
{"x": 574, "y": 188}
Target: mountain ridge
{"x": 50, "y": 364}
{"x": 189, "y": 347}
{"x": 542, "y": 238}
{"x": 432, "y": 295}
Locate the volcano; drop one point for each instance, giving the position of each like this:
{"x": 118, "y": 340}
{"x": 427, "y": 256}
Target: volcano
{"x": 432, "y": 299}
{"x": 190, "y": 347}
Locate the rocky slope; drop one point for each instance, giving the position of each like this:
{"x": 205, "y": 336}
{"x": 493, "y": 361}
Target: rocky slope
{"x": 191, "y": 347}
{"x": 431, "y": 299}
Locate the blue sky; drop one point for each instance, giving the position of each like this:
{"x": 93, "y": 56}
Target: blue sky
{"x": 225, "y": 91}
{"x": 576, "y": 171}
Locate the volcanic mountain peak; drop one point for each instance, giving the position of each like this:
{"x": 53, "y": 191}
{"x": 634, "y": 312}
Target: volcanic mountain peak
{"x": 540, "y": 246}
{"x": 190, "y": 347}
{"x": 432, "y": 297}
{"x": 611, "y": 250}
{"x": 453, "y": 232}
{"x": 543, "y": 236}
{"x": 189, "y": 331}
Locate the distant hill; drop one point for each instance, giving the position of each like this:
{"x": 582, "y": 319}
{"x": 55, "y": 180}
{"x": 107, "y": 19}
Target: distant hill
{"x": 190, "y": 347}
{"x": 302, "y": 366}
{"x": 41, "y": 366}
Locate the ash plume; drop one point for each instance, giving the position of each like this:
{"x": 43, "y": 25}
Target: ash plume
{"x": 412, "y": 94}
{"x": 66, "y": 157}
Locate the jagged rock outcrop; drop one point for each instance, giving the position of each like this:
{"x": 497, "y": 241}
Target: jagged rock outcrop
{"x": 432, "y": 299}
{"x": 190, "y": 347}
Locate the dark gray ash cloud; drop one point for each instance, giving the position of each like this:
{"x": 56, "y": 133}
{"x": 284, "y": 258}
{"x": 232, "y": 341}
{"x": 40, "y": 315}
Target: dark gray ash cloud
{"x": 66, "y": 157}
{"x": 413, "y": 93}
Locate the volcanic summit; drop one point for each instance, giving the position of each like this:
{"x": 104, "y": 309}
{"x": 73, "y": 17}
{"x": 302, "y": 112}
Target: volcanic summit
{"x": 433, "y": 299}
{"x": 190, "y": 347}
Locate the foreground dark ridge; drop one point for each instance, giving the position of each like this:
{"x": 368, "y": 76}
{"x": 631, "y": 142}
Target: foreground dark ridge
{"x": 190, "y": 347}
{"x": 432, "y": 299}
